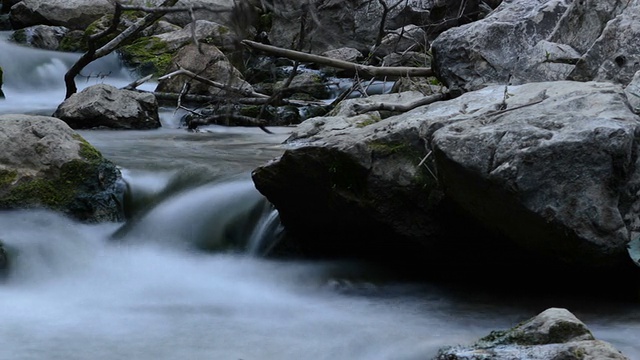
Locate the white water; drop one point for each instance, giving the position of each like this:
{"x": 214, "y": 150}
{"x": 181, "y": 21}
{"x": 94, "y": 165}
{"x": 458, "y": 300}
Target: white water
{"x": 75, "y": 293}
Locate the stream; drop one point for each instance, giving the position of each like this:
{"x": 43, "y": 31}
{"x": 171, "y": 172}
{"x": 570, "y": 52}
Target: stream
{"x": 77, "y": 291}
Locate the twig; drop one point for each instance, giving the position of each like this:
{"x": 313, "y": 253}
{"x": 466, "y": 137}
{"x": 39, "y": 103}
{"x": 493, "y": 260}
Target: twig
{"x": 216, "y": 119}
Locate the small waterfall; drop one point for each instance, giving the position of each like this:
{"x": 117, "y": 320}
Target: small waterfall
{"x": 214, "y": 216}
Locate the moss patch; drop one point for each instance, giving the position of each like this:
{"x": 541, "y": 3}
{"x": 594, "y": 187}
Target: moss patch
{"x": 7, "y": 177}
{"x": 87, "y": 151}
{"x": 149, "y": 55}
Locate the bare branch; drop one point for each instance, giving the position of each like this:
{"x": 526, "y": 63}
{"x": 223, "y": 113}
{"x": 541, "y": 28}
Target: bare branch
{"x": 363, "y": 108}
{"x": 340, "y": 64}
{"x": 242, "y": 91}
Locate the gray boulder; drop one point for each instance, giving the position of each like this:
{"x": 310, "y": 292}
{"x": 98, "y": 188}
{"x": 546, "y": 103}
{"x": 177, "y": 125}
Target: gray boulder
{"x": 72, "y": 14}
{"x": 553, "y": 334}
{"x": 45, "y": 164}
{"x": 356, "y": 23}
{"x": 106, "y": 106}
{"x": 542, "y": 40}
{"x": 553, "y": 172}
{"x": 488, "y": 51}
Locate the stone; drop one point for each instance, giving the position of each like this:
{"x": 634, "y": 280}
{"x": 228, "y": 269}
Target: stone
{"x": 549, "y": 174}
{"x": 72, "y": 14}
{"x": 45, "y": 164}
{"x": 553, "y": 334}
{"x": 103, "y": 105}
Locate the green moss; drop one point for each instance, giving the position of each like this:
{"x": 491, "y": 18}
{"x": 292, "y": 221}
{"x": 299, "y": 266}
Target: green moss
{"x": 19, "y": 36}
{"x": 73, "y": 41}
{"x": 7, "y": 177}
{"x": 265, "y": 22}
{"x": 87, "y": 151}
{"x": 390, "y": 148}
{"x": 373, "y": 118}
{"x": 54, "y": 192}
{"x": 149, "y": 55}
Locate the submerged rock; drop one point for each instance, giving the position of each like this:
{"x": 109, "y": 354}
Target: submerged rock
{"x": 45, "y": 164}
{"x": 553, "y": 334}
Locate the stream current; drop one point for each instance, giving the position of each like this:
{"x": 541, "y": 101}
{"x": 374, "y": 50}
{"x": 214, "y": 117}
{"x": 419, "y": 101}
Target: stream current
{"x": 75, "y": 293}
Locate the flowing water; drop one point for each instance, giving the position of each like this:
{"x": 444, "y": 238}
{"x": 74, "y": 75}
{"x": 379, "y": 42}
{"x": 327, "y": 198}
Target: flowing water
{"x": 146, "y": 289}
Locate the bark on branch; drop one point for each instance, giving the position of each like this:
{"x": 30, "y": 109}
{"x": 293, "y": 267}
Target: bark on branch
{"x": 340, "y": 64}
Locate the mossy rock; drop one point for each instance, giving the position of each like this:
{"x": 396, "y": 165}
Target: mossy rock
{"x": 48, "y": 165}
{"x": 148, "y": 55}
{"x": 73, "y": 41}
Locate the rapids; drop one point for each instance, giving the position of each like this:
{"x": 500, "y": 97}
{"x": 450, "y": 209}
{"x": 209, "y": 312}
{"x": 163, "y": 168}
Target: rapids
{"x": 184, "y": 277}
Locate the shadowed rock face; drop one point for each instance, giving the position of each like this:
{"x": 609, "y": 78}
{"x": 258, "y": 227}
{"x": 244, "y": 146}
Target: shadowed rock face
{"x": 553, "y": 174}
{"x": 45, "y": 164}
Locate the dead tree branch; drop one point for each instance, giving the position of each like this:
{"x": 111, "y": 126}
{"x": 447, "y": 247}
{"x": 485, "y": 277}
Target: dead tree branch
{"x": 363, "y": 108}
{"x": 242, "y": 91}
{"x": 340, "y": 64}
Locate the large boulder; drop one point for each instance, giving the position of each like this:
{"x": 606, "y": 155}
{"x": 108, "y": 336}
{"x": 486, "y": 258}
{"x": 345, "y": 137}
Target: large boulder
{"x": 356, "y": 23}
{"x": 543, "y": 40}
{"x": 488, "y": 50}
{"x": 106, "y": 106}
{"x": 45, "y": 164}
{"x": 549, "y": 167}
{"x": 73, "y": 14}
{"x": 553, "y": 334}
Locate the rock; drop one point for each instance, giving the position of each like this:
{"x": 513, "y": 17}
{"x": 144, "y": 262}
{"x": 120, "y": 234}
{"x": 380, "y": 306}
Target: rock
{"x": 407, "y": 38}
{"x": 553, "y": 334}
{"x": 548, "y": 40}
{"x": 40, "y": 36}
{"x": 632, "y": 91}
{"x": 45, "y": 164}
{"x": 356, "y": 23}
{"x": 213, "y": 65}
{"x": 103, "y": 105}
{"x": 551, "y": 175}
{"x": 72, "y": 14}
{"x": 205, "y": 31}
{"x": 612, "y": 57}
{"x": 469, "y": 56}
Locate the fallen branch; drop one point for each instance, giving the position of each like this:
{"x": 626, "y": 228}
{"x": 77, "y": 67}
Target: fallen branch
{"x": 242, "y": 91}
{"x": 135, "y": 84}
{"x": 373, "y": 71}
{"x": 363, "y": 108}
